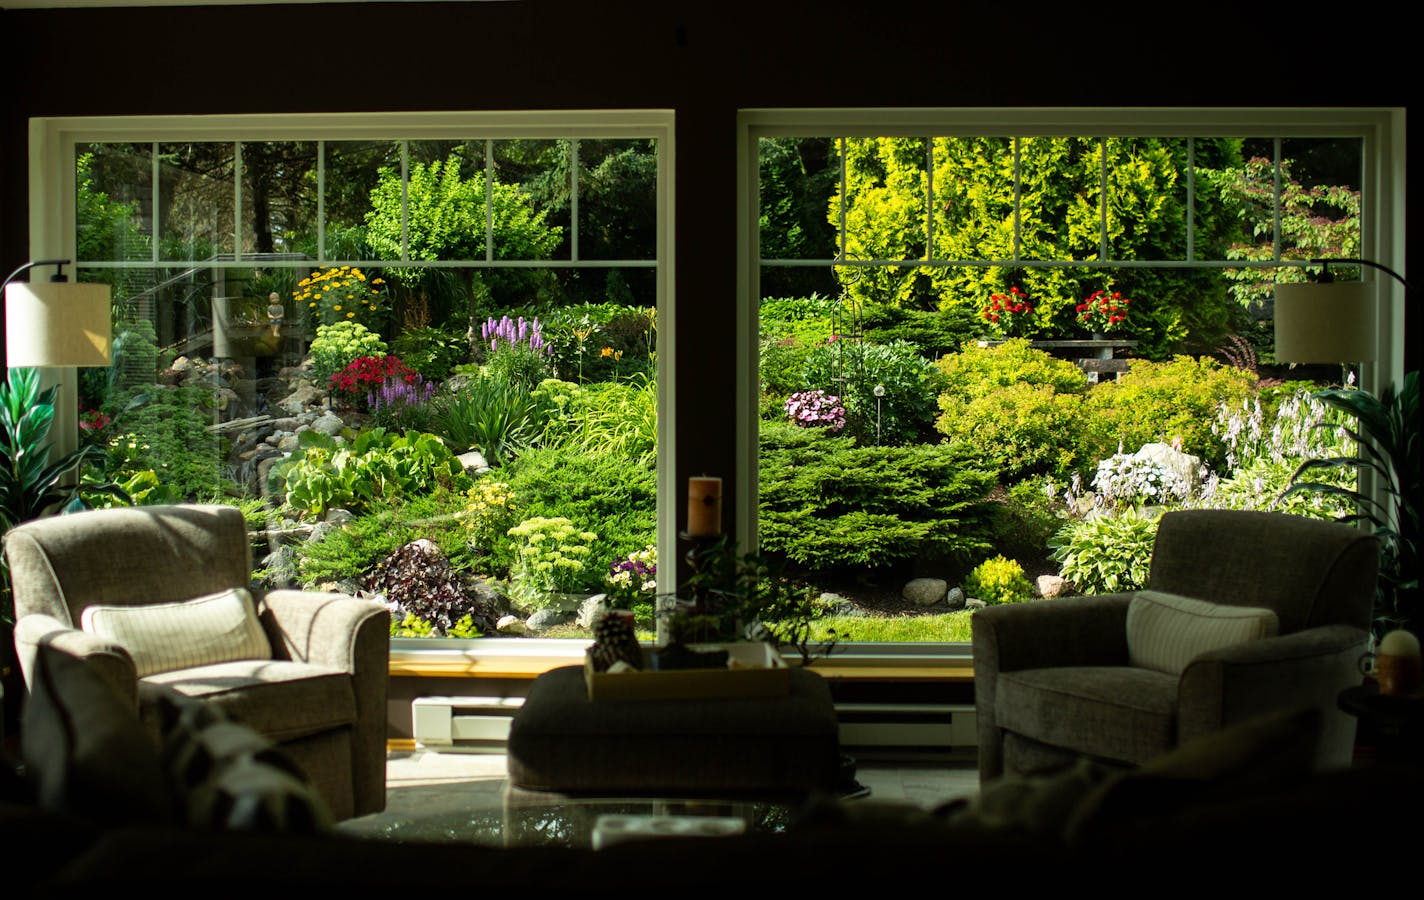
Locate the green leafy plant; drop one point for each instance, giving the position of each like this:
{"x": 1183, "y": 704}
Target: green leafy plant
{"x": 1103, "y": 554}
{"x": 433, "y": 352}
{"x": 340, "y": 343}
{"x": 322, "y": 474}
{"x": 491, "y": 415}
{"x": 888, "y": 390}
{"x": 1387, "y": 432}
{"x": 31, "y": 485}
{"x": 999, "y": 580}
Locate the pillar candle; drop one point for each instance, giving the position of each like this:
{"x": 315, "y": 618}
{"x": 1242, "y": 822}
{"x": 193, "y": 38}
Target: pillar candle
{"x": 704, "y": 507}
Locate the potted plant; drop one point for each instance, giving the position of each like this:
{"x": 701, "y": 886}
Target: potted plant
{"x": 1008, "y": 314}
{"x": 1387, "y": 433}
{"x": 1104, "y": 311}
{"x": 734, "y": 596}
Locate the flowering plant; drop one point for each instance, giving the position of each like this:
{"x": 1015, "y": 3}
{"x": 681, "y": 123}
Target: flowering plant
{"x": 340, "y": 293}
{"x": 1103, "y": 311}
{"x": 1008, "y": 314}
{"x": 816, "y": 408}
{"x": 522, "y": 333}
{"x": 633, "y": 578}
{"x": 364, "y": 376}
{"x": 399, "y": 402}
{"x": 552, "y": 558}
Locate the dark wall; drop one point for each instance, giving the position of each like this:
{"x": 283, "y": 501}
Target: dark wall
{"x": 704, "y": 62}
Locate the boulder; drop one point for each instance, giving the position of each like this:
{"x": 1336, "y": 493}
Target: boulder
{"x": 474, "y": 462}
{"x": 925, "y": 591}
{"x": 955, "y": 599}
{"x": 1051, "y": 586}
{"x": 1183, "y": 465}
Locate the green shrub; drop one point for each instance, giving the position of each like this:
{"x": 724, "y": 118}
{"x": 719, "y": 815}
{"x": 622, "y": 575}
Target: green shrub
{"x": 340, "y": 343}
{"x": 433, "y": 352}
{"x": 1104, "y": 554}
{"x": 615, "y": 497}
{"x": 982, "y": 369}
{"x": 1014, "y": 406}
{"x": 828, "y": 504}
{"x": 618, "y": 418}
{"x": 596, "y": 341}
{"x": 1025, "y": 516}
{"x": 1018, "y": 431}
{"x": 1162, "y": 402}
{"x": 999, "y": 580}
{"x": 165, "y": 429}
{"x": 935, "y": 332}
{"x": 354, "y": 549}
{"x": 790, "y": 329}
{"x": 853, "y": 370}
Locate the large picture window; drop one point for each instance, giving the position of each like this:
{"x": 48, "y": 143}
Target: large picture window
{"x": 421, "y": 352}
{"x": 986, "y": 350}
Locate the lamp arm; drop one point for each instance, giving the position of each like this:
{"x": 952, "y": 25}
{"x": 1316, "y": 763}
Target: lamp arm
{"x": 1362, "y": 262}
{"x": 58, "y": 264}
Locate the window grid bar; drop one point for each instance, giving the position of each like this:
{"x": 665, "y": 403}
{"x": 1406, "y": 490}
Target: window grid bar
{"x": 1041, "y": 263}
{"x": 384, "y": 263}
{"x": 321, "y": 200}
{"x": 1276, "y": 201}
{"x": 155, "y": 224}
{"x": 573, "y": 199}
{"x": 929, "y": 198}
{"x": 237, "y": 201}
{"x": 489, "y": 200}
{"x": 842, "y": 254}
{"x": 1103, "y": 198}
{"x": 405, "y": 200}
{"x": 1018, "y": 197}
{"x": 1191, "y": 203}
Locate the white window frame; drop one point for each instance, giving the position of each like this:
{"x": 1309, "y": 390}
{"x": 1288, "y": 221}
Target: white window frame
{"x": 52, "y": 157}
{"x": 1382, "y": 224}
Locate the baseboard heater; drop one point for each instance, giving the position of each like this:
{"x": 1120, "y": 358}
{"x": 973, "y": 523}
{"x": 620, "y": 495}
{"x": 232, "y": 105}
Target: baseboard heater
{"x": 483, "y": 723}
{"x": 911, "y": 726}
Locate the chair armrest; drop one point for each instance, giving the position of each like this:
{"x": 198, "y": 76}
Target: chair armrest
{"x": 107, "y": 658}
{"x": 1302, "y": 669}
{"x": 1072, "y": 631}
{"x": 320, "y": 627}
{"x": 354, "y": 635}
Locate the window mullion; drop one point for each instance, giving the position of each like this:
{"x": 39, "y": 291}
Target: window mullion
{"x": 236, "y": 200}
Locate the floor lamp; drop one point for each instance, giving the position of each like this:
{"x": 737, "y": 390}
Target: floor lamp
{"x": 57, "y": 324}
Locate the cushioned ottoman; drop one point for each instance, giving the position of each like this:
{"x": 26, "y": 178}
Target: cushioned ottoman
{"x": 561, "y": 741}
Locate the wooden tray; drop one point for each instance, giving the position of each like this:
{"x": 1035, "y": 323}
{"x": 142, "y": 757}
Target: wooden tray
{"x": 755, "y": 670}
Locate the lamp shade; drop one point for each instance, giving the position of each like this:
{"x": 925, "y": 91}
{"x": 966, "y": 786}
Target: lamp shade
{"x": 1332, "y": 322}
{"x": 57, "y": 323}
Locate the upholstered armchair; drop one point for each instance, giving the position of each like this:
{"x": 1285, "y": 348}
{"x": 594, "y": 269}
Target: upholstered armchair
{"x": 159, "y": 599}
{"x": 1122, "y": 678}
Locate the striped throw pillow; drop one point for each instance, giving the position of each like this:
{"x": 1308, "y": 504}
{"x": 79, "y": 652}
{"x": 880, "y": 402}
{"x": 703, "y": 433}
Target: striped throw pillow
{"x": 1165, "y": 632}
{"x": 162, "y": 637}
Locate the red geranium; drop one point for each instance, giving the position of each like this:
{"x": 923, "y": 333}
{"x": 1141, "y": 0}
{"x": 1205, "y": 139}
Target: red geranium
{"x": 367, "y": 373}
{"x": 1008, "y": 313}
{"x": 1103, "y": 311}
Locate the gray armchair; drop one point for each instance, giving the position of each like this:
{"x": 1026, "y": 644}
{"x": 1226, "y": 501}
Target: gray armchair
{"x": 1054, "y": 680}
{"x": 306, "y": 669}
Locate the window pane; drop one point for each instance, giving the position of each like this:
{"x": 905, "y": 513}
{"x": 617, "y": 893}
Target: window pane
{"x": 352, "y": 172}
{"x": 531, "y": 199}
{"x": 196, "y": 195}
{"x": 278, "y": 196}
{"x": 114, "y": 201}
{"x": 618, "y": 195}
{"x": 1147, "y": 197}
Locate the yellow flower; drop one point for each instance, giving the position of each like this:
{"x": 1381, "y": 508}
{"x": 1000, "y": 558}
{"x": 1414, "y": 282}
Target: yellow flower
{"x": 378, "y": 281}
{"x": 373, "y": 307}
{"x": 313, "y": 303}
{"x": 336, "y": 308}
{"x": 607, "y": 351}
{"x": 359, "y": 276}
{"x": 351, "y": 315}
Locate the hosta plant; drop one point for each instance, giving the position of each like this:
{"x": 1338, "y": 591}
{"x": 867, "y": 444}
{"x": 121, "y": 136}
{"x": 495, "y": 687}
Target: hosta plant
{"x": 1105, "y": 554}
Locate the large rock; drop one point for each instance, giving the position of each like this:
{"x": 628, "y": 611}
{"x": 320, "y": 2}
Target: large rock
{"x": 303, "y": 395}
{"x": 1051, "y": 586}
{"x": 474, "y": 462}
{"x": 1183, "y": 465}
{"x": 955, "y": 599}
{"x": 925, "y": 591}
{"x": 545, "y": 619}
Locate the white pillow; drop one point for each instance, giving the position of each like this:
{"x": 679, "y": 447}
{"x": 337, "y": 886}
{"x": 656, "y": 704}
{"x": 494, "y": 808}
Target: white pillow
{"x": 162, "y": 637}
{"x": 1167, "y": 631}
